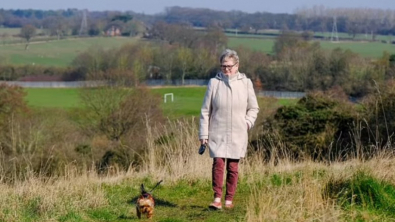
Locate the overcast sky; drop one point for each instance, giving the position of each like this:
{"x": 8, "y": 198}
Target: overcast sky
{"x": 158, "y": 6}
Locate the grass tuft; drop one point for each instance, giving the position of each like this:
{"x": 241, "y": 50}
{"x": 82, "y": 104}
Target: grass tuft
{"x": 364, "y": 192}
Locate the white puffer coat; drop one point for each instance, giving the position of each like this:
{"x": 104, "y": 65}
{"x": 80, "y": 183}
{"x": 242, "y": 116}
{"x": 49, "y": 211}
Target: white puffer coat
{"x": 229, "y": 110}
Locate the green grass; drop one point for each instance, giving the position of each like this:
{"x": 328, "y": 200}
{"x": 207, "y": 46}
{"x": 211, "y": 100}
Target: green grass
{"x": 287, "y": 102}
{"x": 364, "y": 193}
{"x": 58, "y": 53}
{"x": 187, "y": 100}
{"x": 52, "y": 97}
{"x": 183, "y": 201}
{"x": 263, "y": 45}
{"x": 365, "y": 49}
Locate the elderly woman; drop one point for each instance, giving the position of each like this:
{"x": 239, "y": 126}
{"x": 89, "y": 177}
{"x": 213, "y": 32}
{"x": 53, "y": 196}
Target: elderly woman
{"x": 229, "y": 110}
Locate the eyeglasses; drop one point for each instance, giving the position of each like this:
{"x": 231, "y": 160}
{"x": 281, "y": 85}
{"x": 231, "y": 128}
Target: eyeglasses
{"x": 228, "y": 66}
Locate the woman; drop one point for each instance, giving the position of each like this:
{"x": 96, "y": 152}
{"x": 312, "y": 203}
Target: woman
{"x": 229, "y": 110}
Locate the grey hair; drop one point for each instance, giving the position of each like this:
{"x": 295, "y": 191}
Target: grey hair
{"x": 228, "y": 53}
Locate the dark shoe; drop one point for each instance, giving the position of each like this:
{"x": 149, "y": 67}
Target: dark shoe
{"x": 215, "y": 206}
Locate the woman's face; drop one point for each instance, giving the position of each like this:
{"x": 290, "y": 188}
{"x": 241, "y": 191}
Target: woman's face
{"x": 229, "y": 66}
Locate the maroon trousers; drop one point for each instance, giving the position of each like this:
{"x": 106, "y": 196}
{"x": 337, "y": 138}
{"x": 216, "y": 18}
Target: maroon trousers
{"x": 232, "y": 173}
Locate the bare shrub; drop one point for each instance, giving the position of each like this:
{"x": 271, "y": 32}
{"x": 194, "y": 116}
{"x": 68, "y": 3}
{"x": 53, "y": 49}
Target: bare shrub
{"x": 12, "y": 111}
{"x": 378, "y": 112}
{"x": 120, "y": 115}
{"x": 31, "y": 142}
{"x": 40, "y": 143}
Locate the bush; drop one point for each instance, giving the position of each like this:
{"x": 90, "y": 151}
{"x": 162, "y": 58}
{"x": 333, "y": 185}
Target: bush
{"x": 318, "y": 126}
{"x": 40, "y": 73}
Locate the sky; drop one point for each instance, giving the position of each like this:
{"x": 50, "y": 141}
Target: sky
{"x": 158, "y": 6}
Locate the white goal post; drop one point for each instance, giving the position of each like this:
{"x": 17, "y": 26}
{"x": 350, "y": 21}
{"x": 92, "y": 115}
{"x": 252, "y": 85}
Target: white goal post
{"x": 168, "y": 94}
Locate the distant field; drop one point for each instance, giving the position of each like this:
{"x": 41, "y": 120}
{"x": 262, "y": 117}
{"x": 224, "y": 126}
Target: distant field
{"x": 61, "y": 53}
{"x": 187, "y": 100}
{"x": 264, "y": 45}
{"x": 272, "y": 33}
{"x": 366, "y": 49}
{"x": 57, "y": 53}
{"x": 10, "y": 31}
{"x": 363, "y": 37}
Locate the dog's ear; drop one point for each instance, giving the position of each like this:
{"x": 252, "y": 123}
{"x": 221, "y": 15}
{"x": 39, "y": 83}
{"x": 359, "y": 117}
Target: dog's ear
{"x": 143, "y": 189}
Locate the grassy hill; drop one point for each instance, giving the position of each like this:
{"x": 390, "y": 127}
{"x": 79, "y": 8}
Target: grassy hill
{"x": 276, "y": 190}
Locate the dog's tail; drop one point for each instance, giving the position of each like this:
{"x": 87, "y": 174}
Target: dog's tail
{"x": 142, "y": 189}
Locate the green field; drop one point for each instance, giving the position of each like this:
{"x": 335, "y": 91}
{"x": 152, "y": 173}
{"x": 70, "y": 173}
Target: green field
{"x": 366, "y": 49}
{"x": 362, "y": 37}
{"x": 264, "y": 45}
{"x": 57, "y": 53}
{"x": 53, "y": 97}
{"x": 272, "y": 33}
{"x": 187, "y": 100}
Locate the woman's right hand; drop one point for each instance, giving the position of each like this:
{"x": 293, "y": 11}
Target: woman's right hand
{"x": 203, "y": 141}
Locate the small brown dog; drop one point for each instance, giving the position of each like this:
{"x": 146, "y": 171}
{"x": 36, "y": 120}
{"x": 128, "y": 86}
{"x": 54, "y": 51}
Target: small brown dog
{"x": 145, "y": 203}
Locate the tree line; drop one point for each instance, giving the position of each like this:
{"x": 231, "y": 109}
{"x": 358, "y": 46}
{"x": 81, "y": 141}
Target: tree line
{"x": 318, "y": 19}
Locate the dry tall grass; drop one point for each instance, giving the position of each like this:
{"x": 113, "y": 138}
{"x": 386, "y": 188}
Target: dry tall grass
{"x": 50, "y": 198}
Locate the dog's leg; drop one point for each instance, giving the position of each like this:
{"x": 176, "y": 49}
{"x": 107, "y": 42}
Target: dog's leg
{"x": 150, "y": 213}
{"x": 138, "y": 212}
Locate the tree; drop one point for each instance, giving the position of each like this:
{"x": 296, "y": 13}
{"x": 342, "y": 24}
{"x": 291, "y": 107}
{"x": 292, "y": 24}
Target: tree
{"x": 4, "y": 36}
{"x": 286, "y": 40}
{"x": 56, "y": 25}
{"x": 28, "y": 32}
{"x": 124, "y": 18}
{"x": 215, "y": 40}
{"x": 134, "y": 28}
{"x": 165, "y": 59}
{"x": 185, "y": 60}
{"x": 203, "y": 62}
{"x": 12, "y": 107}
